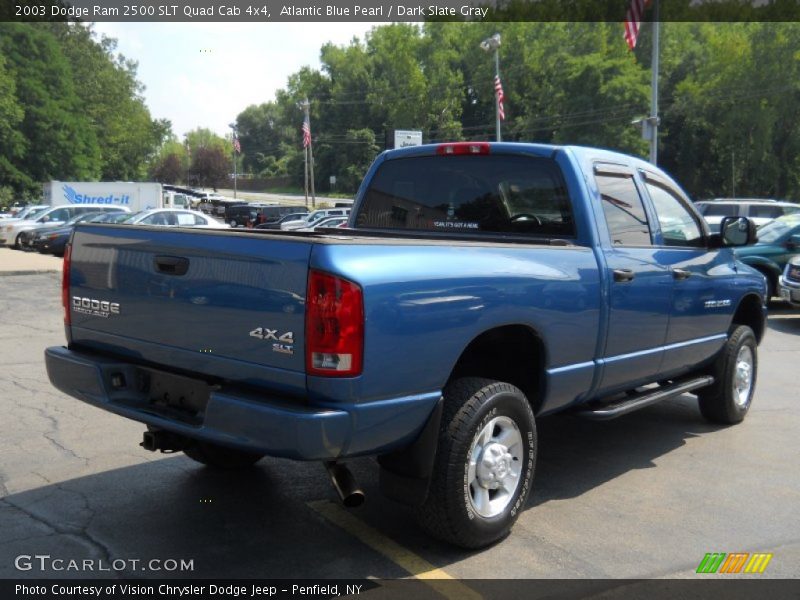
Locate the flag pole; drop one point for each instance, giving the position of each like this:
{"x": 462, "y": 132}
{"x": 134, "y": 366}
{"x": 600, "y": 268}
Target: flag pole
{"x": 497, "y": 104}
{"x": 654, "y": 87}
{"x": 311, "y": 176}
{"x": 305, "y": 172}
{"x": 309, "y": 152}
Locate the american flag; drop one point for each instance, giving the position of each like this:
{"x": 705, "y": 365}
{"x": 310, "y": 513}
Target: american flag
{"x": 498, "y": 92}
{"x": 306, "y": 132}
{"x": 236, "y": 145}
{"x": 632, "y": 20}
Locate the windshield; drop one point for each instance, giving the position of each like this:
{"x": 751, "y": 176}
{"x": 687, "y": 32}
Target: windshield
{"x": 30, "y": 212}
{"x": 112, "y": 217}
{"x": 772, "y": 231}
{"x": 132, "y": 218}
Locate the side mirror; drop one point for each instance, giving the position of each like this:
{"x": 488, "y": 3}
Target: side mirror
{"x": 45, "y": 218}
{"x": 793, "y": 243}
{"x": 737, "y": 231}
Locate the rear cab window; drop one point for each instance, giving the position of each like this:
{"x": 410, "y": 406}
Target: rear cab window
{"x": 484, "y": 194}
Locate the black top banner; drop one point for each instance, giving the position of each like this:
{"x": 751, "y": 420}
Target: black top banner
{"x": 394, "y": 11}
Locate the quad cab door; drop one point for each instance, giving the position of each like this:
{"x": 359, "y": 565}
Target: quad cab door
{"x": 639, "y": 286}
{"x": 700, "y": 307}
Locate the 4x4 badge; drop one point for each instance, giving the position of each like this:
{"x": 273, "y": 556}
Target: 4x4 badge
{"x": 283, "y": 342}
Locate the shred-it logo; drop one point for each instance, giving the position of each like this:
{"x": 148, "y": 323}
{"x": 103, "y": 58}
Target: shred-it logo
{"x": 735, "y": 562}
{"x": 94, "y": 307}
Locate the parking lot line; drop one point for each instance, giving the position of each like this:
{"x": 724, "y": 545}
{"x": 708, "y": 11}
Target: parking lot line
{"x": 418, "y": 567}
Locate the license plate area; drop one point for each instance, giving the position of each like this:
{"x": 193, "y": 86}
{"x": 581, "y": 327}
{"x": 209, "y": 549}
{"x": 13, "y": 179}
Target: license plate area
{"x": 170, "y": 396}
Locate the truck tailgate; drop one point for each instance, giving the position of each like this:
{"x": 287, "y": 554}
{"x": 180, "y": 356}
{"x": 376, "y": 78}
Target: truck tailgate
{"x": 226, "y": 306}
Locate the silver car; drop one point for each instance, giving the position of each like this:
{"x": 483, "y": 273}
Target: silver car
{"x": 174, "y": 217}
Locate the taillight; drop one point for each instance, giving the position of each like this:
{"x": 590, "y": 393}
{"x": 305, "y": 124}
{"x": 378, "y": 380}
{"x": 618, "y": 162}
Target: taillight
{"x": 334, "y": 326}
{"x": 463, "y": 148}
{"x": 65, "y": 268}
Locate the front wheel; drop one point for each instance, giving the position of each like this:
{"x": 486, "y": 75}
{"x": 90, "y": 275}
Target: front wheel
{"x": 484, "y": 463}
{"x": 729, "y": 398}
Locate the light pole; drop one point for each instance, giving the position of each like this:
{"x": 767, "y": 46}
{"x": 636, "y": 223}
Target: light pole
{"x": 489, "y": 44}
{"x": 233, "y": 151}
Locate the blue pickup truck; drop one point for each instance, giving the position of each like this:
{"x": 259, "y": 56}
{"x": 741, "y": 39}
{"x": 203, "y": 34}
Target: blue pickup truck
{"x": 478, "y": 288}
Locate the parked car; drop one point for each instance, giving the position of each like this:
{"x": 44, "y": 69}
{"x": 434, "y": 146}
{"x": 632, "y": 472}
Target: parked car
{"x": 53, "y": 241}
{"x": 760, "y": 211}
{"x": 276, "y": 224}
{"x": 27, "y": 237}
{"x": 778, "y": 241}
{"x": 327, "y": 222}
{"x": 11, "y": 230}
{"x": 480, "y": 288}
{"x": 254, "y": 213}
{"x": 175, "y": 218}
{"x": 789, "y": 282}
{"x": 315, "y": 216}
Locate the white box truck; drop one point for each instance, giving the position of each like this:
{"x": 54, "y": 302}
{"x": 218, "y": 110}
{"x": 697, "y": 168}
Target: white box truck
{"x": 133, "y": 195}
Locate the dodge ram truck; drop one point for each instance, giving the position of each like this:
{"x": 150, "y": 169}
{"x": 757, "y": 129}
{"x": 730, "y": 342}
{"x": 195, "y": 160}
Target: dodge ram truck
{"x": 478, "y": 288}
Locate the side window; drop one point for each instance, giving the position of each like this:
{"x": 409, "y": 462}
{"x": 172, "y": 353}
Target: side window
{"x": 624, "y": 211}
{"x": 185, "y": 219}
{"x": 198, "y": 220}
{"x": 678, "y": 226}
{"x": 765, "y": 211}
{"x": 719, "y": 210}
{"x": 62, "y": 214}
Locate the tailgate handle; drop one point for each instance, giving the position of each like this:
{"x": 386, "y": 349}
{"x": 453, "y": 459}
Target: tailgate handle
{"x": 171, "y": 265}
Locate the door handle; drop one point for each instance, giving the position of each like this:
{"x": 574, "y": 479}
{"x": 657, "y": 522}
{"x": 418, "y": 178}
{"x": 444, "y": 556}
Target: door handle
{"x": 681, "y": 274}
{"x": 623, "y": 275}
{"x": 171, "y": 265}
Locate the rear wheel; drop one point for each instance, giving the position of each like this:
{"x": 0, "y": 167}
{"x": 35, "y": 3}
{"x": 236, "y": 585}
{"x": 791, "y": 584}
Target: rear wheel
{"x": 729, "y": 398}
{"x": 234, "y": 223}
{"x": 484, "y": 463}
{"x": 221, "y": 457}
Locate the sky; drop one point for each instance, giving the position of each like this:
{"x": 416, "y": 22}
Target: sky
{"x": 205, "y": 74}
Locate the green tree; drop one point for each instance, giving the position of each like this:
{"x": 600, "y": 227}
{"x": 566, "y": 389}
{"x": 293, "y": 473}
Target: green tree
{"x": 12, "y": 143}
{"x": 61, "y": 144}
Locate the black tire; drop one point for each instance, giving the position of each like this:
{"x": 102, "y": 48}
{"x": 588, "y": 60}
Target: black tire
{"x": 18, "y": 242}
{"x": 449, "y": 513}
{"x": 221, "y": 457}
{"x": 723, "y": 402}
{"x": 233, "y": 223}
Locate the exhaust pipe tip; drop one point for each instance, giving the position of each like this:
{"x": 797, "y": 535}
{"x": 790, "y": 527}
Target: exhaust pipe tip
{"x": 354, "y": 499}
{"x": 350, "y": 494}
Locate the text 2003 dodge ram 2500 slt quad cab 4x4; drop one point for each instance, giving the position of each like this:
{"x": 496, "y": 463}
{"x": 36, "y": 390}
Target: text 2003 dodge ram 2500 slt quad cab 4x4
{"x": 479, "y": 287}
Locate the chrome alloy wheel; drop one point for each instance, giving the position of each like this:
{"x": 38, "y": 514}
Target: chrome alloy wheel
{"x": 495, "y": 466}
{"x": 743, "y": 377}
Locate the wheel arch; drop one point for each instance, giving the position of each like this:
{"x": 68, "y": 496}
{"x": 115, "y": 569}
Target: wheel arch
{"x": 750, "y": 312}
{"x": 514, "y": 353}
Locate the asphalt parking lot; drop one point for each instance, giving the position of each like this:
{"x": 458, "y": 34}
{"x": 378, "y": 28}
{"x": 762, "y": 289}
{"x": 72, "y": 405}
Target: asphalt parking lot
{"x": 644, "y": 496}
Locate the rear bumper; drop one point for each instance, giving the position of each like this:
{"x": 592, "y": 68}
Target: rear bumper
{"x": 248, "y": 421}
